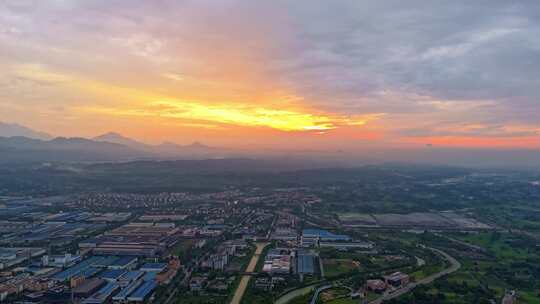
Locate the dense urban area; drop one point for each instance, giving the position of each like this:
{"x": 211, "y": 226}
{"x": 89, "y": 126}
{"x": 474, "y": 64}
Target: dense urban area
{"x": 377, "y": 234}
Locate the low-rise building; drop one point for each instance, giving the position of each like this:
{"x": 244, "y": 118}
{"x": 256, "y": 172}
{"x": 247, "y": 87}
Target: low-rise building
{"x": 153, "y": 267}
{"x": 347, "y": 245}
{"x": 124, "y": 263}
{"x": 143, "y": 292}
{"x": 89, "y": 287}
{"x": 278, "y": 261}
{"x": 305, "y": 263}
{"x": 378, "y": 286}
{"x": 197, "y": 283}
{"x": 103, "y": 295}
{"x": 397, "y": 279}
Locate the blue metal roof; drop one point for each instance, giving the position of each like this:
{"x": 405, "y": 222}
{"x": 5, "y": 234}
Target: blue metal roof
{"x": 101, "y": 295}
{"x": 149, "y": 276}
{"x": 324, "y": 234}
{"x": 132, "y": 275}
{"x": 112, "y": 274}
{"x": 81, "y": 268}
{"x": 152, "y": 266}
{"x": 90, "y": 271}
{"x": 143, "y": 291}
{"x": 305, "y": 264}
{"x": 122, "y": 295}
{"x": 123, "y": 261}
{"x": 104, "y": 261}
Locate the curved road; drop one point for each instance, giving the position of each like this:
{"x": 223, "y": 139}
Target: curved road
{"x": 293, "y": 294}
{"x": 454, "y": 266}
{"x": 318, "y": 292}
{"x": 239, "y": 293}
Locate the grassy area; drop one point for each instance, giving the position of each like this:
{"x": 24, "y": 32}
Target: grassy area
{"x": 528, "y": 297}
{"x": 502, "y": 261}
{"x": 303, "y": 299}
{"x": 332, "y": 294}
{"x": 182, "y": 247}
{"x": 337, "y": 267}
{"x": 347, "y": 300}
{"x": 370, "y": 296}
{"x": 494, "y": 242}
{"x": 426, "y": 271}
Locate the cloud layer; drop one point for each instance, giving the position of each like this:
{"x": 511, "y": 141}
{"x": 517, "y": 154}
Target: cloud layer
{"x": 410, "y": 71}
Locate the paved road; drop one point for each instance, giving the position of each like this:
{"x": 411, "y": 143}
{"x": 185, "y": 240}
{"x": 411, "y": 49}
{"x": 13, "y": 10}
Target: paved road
{"x": 293, "y": 294}
{"x": 318, "y": 292}
{"x": 239, "y": 293}
{"x": 454, "y": 266}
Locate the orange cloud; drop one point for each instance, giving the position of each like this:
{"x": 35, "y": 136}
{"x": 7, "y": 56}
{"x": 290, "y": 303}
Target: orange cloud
{"x": 240, "y": 115}
{"x": 288, "y": 114}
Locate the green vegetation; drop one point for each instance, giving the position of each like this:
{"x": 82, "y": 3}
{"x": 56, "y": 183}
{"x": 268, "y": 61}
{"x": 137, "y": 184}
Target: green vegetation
{"x": 182, "y": 248}
{"x": 337, "y": 267}
{"x": 333, "y": 294}
{"x": 443, "y": 291}
{"x": 301, "y": 299}
{"x": 346, "y": 300}
{"x": 426, "y": 271}
{"x": 493, "y": 263}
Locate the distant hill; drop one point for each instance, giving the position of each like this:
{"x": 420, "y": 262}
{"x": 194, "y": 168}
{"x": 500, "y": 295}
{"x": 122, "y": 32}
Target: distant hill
{"x": 107, "y": 147}
{"x": 195, "y": 150}
{"x": 116, "y": 138}
{"x": 10, "y": 130}
{"x": 197, "y": 145}
{"x": 24, "y": 149}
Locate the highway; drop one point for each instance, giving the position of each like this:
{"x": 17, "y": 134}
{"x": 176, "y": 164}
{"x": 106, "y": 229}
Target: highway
{"x": 239, "y": 293}
{"x": 318, "y": 292}
{"x": 454, "y": 266}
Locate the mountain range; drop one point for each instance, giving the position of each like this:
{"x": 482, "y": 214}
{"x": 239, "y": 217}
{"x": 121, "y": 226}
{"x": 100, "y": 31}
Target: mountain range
{"x": 13, "y": 129}
{"x": 21, "y": 144}
{"x": 113, "y": 137}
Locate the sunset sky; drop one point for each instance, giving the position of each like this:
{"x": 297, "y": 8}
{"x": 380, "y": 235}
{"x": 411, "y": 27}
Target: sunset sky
{"x": 288, "y": 74}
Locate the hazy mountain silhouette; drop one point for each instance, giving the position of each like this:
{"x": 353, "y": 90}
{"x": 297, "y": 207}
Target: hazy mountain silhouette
{"x": 166, "y": 149}
{"x": 21, "y": 144}
{"x": 20, "y": 149}
{"x": 116, "y": 138}
{"x": 13, "y": 129}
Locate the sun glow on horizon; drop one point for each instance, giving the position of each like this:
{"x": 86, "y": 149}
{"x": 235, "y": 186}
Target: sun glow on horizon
{"x": 238, "y": 114}
{"x": 284, "y": 115}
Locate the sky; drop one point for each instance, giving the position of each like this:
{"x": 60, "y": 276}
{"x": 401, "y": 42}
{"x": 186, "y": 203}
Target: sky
{"x": 302, "y": 74}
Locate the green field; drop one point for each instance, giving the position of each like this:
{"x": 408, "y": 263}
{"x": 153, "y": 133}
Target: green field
{"x": 345, "y": 301}
{"x": 494, "y": 242}
{"x": 334, "y": 294}
{"x": 337, "y": 267}
{"x": 301, "y": 299}
{"x": 528, "y": 297}
{"x": 505, "y": 261}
